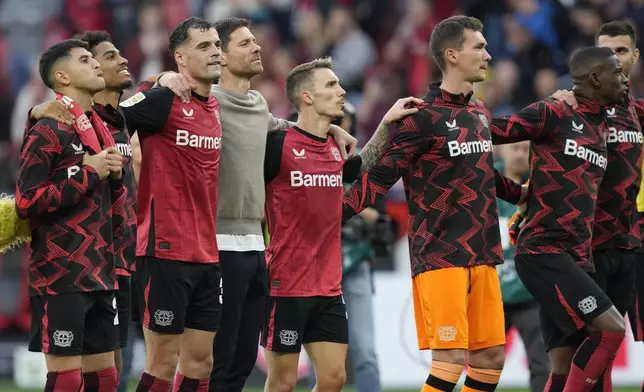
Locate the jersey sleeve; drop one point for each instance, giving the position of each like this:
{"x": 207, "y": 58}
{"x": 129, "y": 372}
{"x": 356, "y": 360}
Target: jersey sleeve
{"x": 273, "y": 157}
{"x": 351, "y": 169}
{"x": 148, "y": 111}
{"x": 507, "y": 189}
{"x": 411, "y": 140}
{"x": 36, "y": 192}
{"x": 527, "y": 124}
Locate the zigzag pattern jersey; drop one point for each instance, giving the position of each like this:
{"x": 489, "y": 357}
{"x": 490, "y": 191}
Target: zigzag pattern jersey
{"x": 444, "y": 155}
{"x": 124, "y": 208}
{"x": 70, "y": 213}
{"x": 616, "y": 220}
{"x": 567, "y": 162}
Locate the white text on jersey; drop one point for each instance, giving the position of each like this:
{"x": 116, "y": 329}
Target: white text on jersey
{"x": 184, "y": 138}
{"x": 615, "y": 136}
{"x": 315, "y": 180}
{"x": 575, "y": 150}
{"x": 475, "y": 147}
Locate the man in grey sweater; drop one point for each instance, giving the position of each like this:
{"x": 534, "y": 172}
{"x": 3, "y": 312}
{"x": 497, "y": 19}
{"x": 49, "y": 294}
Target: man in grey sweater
{"x": 246, "y": 121}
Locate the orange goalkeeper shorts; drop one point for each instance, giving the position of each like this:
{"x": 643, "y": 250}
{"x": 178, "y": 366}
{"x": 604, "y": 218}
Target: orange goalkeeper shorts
{"x": 459, "y": 308}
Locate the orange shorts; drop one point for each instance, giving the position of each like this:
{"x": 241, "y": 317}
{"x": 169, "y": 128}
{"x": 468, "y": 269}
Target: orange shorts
{"x": 459, "y": 308}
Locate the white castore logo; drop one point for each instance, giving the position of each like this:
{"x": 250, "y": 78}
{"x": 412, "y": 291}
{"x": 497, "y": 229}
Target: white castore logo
{"x": 575, "y": 150}
{"x": 188, "y": 113}
{"x": 63, "y": 338}
{"x": 299, "y": 154}
{"x": 163, "y": 318}
{"x": 452, "y": 125}
{"x": 577, "y": 128}
{"x": 288, "y": 337}
{"x": 184, "y": 138}
{"x": 610, "y": 112}
{"x": 78, "y": 149}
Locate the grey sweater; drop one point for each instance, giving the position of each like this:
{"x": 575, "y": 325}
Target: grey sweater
{"x": 245, "y": 121}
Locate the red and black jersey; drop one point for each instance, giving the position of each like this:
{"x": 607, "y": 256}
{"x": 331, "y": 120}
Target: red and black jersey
{"x": 444, "y": 154}
{"x": 69, "y": 209}
{"x": 616, "y": 221}
{"x": 177, "y": 194}
{"x": 304, "y": 177}
{"x": 567, "y": 162}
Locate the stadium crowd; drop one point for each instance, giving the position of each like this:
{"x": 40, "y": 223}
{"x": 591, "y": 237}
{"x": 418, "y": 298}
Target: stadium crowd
{"x": 377, "y": 60}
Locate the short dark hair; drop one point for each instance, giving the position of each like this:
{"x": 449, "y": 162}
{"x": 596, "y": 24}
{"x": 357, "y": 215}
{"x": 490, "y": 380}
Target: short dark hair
{"x": 617, "y": 28}
{"x": 225, "y": 27}
{"x": 450, "y": 33}
{"x": 182, "y": 32}
{"x": 586, "y": 59}
{"x": 94, "y": 38}
{"x": 55, "y": 53}
{"x": 300, "y": 78}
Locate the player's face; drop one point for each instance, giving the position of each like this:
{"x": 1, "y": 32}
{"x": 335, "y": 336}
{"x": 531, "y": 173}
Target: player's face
{"x": 613, "y": 84}
{"x": 624, "y": 48}
{"x": 515, "y": 157}
{"x": 114, "y": 67}
{"x": 242, "y": 56}
{"x": 82, "y": 72}
{"x": 201, "y": 54}
{"x": 327, "y": 94}
{"x": 473, "y": 58}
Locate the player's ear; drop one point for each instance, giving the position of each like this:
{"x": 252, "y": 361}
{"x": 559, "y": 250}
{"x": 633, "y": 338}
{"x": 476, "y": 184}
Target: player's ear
{"x": 636, "y": 55}
{"x": 306, "y": 97}
{"x": 179, "y": 59}
{"x": 451, "y": 56}
{"x": 62, "y": 77}
{"x": 223, "y": 59}
{"x": 593, "y": 78}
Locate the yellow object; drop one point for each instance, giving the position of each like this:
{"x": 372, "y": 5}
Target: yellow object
{"x": 13, "y": 230}
{"x": 640, "y": 197}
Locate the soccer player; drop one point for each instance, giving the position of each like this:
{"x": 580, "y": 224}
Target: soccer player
{"x": 177, "y": 268}
{"x": 444, "y": 154}
{"x": 117, "y": 79}
{"x": 304, "y": 174}
{"x": 245, "y": 122}
{"x": 67, "y": 197}
{"x": 568, "y": 160}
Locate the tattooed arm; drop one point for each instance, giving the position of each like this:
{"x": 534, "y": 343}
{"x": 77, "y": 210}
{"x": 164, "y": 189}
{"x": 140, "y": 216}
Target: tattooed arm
{"x": 376, "y": 145}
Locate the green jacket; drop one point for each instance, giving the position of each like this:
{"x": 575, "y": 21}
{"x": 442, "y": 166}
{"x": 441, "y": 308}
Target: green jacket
{"x": 512, "y": 288}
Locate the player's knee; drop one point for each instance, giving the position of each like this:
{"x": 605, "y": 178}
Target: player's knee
{"x": 457, "y": 357}
{"x": 332, "y": 380}
{"x": 488, "y": 358}
{"x": 197, "y": 366}
{"x": 611, "y": 321}
{"x": 162, "y": 363}
{"x": 281, "y": 382}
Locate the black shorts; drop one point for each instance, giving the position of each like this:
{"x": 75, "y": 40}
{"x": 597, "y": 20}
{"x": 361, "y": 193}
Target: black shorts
{"x": 293, "y": 321}
{"x": 636, "y": 311}
{"x": 615, "y": 275}
{"x": 569, "y": 298}
{"x": 174, "y": 295}
{"x": 124, "y": 308}
{"x": 74, "y": 323}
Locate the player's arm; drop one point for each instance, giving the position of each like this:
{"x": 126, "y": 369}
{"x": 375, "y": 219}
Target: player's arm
{"x": 527, "y": 124}
{"x": 136, "y": 156}
{"x": 273, "y": 157}
{"x": 148, "y": 111}
{"x": 36, "y": 192}
{"x": 412, "y": 139}
{"x": 509, "y": 190}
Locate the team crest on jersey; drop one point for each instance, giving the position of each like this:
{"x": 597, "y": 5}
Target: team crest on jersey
{"x": 336, "y": 153}
{"x": 63, "y": 338}
{"x": 288, "y": 337}
{"x": 483, "y": 119}
{"x": 163, "y": 318}
{"x": 447, "y": 333}
{"x": 133, "y": 100}
{"x": 83, "y": 123}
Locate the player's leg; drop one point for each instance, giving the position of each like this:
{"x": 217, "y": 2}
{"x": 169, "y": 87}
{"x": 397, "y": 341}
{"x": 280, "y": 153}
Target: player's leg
{"x": 245, "y": 290}
{"x": 486, "y": 325}
{"x": 440, "y": 310}
{"x": 281, "y": 338}
{"x": 123, "y": 306}
{"x": 325, "y": 339}
{"x": 57, "y": 331}
{"x": 163, "y": 294}
{"x": 573, "y": 300}
{"x": 101, "y": 340}
{"x": 203, "y": 318}
{"x": 636, "y": 311}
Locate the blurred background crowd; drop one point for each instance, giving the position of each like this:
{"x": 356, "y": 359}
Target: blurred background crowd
{"x": 380, "y": 48}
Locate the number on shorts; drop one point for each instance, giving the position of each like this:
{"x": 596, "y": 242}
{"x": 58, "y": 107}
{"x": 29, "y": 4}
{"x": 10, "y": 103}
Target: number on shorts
{"x": 221, "y": 291}
{"x": 116, "y": 317}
